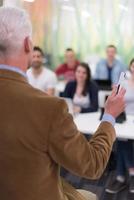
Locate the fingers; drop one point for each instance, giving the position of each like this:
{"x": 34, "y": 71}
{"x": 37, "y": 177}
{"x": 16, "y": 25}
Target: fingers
{"x": 122, "y": 92}
{"x": 114, "y": 90}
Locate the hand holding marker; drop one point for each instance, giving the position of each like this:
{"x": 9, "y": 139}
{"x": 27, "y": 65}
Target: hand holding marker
{"x": 121, "y": 81}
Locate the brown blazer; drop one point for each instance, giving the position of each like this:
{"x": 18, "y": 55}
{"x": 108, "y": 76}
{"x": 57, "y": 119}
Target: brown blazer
{"x": 37, "y": 136}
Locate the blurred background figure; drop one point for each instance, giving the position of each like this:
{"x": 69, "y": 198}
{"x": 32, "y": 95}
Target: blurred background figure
{"x": 110, "y": 67}
{"x": 125, "y": 149}
{"x": 92, "y": 59}
{"x": 83, "y": 91}
{"x": 66, "y": 70}
{"x": 39, "y": 76}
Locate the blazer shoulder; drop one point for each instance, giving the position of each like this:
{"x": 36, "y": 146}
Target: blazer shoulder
{"x": 42, "y": 101}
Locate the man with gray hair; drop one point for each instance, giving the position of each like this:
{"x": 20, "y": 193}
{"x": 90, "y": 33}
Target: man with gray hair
{"x": 37, "y": 134}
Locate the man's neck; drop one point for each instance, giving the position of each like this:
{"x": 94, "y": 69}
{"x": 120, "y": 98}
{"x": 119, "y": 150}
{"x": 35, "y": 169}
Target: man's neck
{"x": 15, "y": 63}
{"x": 110, "y": 62}
{"x": 37, "y": 71}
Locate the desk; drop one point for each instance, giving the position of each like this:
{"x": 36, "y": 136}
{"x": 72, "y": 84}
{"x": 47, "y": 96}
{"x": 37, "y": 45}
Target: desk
{"x": 88, "y": 123}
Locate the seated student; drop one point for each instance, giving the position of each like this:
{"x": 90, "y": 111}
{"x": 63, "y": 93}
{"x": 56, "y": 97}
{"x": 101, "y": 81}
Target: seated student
{"x": 39, "y": 76}
{"x": 125, "y": 150}
{"x": 67, "y": 69}
{"x": 110, "y": 67}
{"x": 83, "y": 91}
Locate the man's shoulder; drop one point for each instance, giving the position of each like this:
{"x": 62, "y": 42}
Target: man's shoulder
{"x": 63, "y": 66}
{"x": 102, "y": 61}
{"x": 48, "y": 72}
{"x": 53, "y": 104}
{"x": 39, "y": 97}
{"x": 119, "y": 62}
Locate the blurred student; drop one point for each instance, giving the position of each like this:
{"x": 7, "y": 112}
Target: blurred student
{"x": 67, "y": 69}
{"x": 125, "y": 150}
{"x": 110, "y": 67}
{"x": 39, "y": 76}
{"x": 83, "y": 91}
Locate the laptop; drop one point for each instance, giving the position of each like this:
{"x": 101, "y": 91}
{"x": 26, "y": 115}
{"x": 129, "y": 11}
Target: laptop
{"x": 104, "y": 84}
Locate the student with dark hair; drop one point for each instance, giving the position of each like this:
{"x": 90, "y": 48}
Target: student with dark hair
{"x": 67, "y": 69}
{"x": 39, "y": 76}
{"x": 83, "y": 91}
{"x": 36, "y": 48}
{"x": 110, "y": 67}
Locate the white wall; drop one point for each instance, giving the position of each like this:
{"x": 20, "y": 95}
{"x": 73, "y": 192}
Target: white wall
{"x": 12, "y": 2}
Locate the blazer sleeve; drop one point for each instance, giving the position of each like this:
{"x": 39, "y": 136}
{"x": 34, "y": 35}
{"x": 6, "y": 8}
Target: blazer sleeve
{"x": 93, "y": 95}
{"x": 70, "y": 149}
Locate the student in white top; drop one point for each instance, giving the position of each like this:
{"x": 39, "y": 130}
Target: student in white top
{"x": 83, "y": 91}
{"x": 39, "y": 76}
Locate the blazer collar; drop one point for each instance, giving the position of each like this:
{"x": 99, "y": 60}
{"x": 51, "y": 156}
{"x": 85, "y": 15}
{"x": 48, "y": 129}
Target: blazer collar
{"x": 12, "y": 75}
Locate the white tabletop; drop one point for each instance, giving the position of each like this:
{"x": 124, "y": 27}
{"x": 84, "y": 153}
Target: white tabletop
{"x": 60, "y": 86}
{"x": 88, "y": 123}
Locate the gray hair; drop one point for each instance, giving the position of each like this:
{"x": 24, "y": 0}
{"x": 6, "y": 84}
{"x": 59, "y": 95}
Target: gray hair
{"x": 15, "y": 26}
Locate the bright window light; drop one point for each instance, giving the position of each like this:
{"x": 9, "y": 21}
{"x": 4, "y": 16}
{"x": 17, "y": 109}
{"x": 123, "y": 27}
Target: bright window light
{"x": 68, "y": 8}
{"x": 123, "y": 7}
{"x": 29, "y": 0}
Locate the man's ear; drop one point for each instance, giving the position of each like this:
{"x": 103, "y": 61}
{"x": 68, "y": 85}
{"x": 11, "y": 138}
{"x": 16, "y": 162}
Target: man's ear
{"x": 27, "y": 45}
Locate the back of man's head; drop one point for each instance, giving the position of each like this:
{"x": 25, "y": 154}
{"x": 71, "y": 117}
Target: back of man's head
{"x": 15, "y": 26}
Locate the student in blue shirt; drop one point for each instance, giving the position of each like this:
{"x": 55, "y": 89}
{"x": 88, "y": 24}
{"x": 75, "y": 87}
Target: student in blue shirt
{"x": 110, "y": 67}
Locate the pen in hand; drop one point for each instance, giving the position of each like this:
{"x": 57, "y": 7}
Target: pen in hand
{"x": 121, "y": 81}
